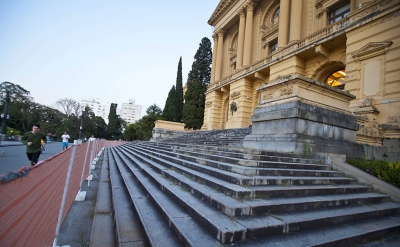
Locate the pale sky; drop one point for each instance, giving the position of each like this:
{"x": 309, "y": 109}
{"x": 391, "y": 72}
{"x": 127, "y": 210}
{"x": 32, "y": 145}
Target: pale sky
{"x": 114, "y": 50}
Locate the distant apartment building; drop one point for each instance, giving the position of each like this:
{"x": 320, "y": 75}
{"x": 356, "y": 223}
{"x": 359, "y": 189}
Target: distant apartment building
{"x": 99, "y": 109}
{"x": 131, "y": 112}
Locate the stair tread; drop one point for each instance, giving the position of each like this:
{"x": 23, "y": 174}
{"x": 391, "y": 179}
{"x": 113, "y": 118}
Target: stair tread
{"x": 356, "y": 230}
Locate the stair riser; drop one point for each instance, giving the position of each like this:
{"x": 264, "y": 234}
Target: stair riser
{"x": 307, "y": 192}
{"x": 266, "y": 164}
{"x": 313, "y": 205}
{"x": 301, "y": 173}
{"x": 298, "y": 181}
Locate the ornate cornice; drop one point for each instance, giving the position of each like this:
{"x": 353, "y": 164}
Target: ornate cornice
{"x": 223, "y": 7}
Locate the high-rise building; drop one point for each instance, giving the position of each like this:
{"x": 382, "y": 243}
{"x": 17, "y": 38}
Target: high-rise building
{"x": 131, "y": 112}
{"x": 99, "y": 109}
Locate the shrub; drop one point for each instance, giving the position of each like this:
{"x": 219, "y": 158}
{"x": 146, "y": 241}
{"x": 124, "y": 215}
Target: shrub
{"x": 387, "y": 171}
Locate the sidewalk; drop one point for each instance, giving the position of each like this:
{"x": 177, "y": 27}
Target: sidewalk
{"x": 10, "y": 143}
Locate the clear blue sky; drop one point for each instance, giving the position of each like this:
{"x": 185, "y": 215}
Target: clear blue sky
{"x": 108, "y": 49}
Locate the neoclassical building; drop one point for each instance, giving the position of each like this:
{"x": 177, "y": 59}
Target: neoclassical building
{"x": 352, "y": 46}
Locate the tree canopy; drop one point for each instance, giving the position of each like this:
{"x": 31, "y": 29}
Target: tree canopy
{"x": 198, "y": 79}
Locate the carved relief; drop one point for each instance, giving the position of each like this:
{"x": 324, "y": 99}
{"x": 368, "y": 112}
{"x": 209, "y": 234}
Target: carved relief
{"x": 266, "y": 96}
{"x": 367, "y": 102}
{"x": 208, "y": 103}
{"x": 286, "y": 91}
{"x": 394, "y": 119}
{"x": 235, "y": 95}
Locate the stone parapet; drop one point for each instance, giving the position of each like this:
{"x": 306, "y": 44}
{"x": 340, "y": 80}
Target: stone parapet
{"x": 160, "y": 134}
{"x": 161, "y": 124}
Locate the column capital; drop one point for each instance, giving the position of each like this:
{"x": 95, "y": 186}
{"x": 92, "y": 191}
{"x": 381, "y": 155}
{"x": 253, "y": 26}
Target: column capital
{"x": 250, "y": 5}
{"x": 221, "y": 32}
{"x": 241, "y": 12}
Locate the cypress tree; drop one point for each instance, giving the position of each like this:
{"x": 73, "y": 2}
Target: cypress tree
{"x": 179, "y": 92}
{"x": 198, "y": 80}
{"x": 114, "y": 125}
{"x": 170, "y": 112}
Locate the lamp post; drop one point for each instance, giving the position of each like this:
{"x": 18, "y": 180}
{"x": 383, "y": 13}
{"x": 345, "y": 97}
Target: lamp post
{"x": 4, "y": 116}
{"x": 80, "y": 129}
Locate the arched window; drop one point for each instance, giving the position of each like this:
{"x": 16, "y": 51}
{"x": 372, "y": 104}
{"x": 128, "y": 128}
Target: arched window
{"x": 275, "y": 16}
{"x": 337, "y": 79}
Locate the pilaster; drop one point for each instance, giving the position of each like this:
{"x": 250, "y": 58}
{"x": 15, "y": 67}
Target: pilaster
{"x": 283, "y": 30}
{"x": 242, "y": 20}
{"x": 218, "y": 70}
{"x": 295, "y": 20}
{"x": 248, "y": 34}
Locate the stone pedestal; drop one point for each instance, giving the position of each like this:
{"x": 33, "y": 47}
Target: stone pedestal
{"x": 297, "y": 113}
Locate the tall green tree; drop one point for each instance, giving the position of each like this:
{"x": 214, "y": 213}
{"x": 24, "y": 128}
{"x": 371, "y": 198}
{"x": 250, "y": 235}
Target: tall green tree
{"x": 198, "y": 80}
{"x": 99, "y": 128}
{"x": 179, "y": 92}
{"x": 170, "y": 110}
{"x": 146, "y": 123}
{"x": 114, "y": 125}
{"x": 19, "y": 106}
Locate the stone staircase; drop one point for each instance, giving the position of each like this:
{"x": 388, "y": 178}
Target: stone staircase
{"x": 225, "y": 137}
{"x": 197, "y": 195}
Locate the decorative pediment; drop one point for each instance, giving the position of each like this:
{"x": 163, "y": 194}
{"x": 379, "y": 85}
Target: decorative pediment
{"x": 372, "y": 49}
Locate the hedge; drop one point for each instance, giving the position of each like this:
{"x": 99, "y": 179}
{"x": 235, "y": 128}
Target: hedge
{"x": 387, "y": 171}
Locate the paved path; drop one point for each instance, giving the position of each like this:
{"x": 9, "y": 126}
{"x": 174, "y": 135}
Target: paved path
{"x": 15, "y": 155}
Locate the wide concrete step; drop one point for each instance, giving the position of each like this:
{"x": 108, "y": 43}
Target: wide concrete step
{"x": 245, "y": 167}
{"x": 164, "y": 222}
{"x": 320, "y": 194}
{"x": 227, "y": 158}
{"x": 236, "y": 153}
{"x": 252, "y": 176}
{"x": 220, "y": 226}
{"x": 214, "y": 177}
{"x": 162, "y": 166}
{"x": 230, "y": 229}
{"x": 133, "y": 208}
{"x": 345, "y": 234}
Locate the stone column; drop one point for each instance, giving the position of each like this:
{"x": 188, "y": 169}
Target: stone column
{"x": 239, "y": 60}
{"x": 295, "y": 20}
{"x": 213, "y": 67}
{"x": 218, "y": 68}
{"x": 324, "y": 18}
{"x": 283, "y": 28}
{"x": 352, "y": 5}
{"x": 248, "y": 34}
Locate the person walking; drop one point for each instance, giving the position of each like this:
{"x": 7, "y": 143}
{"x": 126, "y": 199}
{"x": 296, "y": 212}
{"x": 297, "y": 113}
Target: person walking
{"x": 65, "y": 138}
{"x": 32, "y": 140}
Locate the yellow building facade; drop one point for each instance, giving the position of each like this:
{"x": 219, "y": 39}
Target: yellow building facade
{"x": 351, "y": 45}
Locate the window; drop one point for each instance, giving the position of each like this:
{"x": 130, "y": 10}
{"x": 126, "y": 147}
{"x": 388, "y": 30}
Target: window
{"x": 337, "y": 79}
{"x": 339, "y": 13}
{"x": 275, "y": 16}
{"x": 273, "y": 46}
